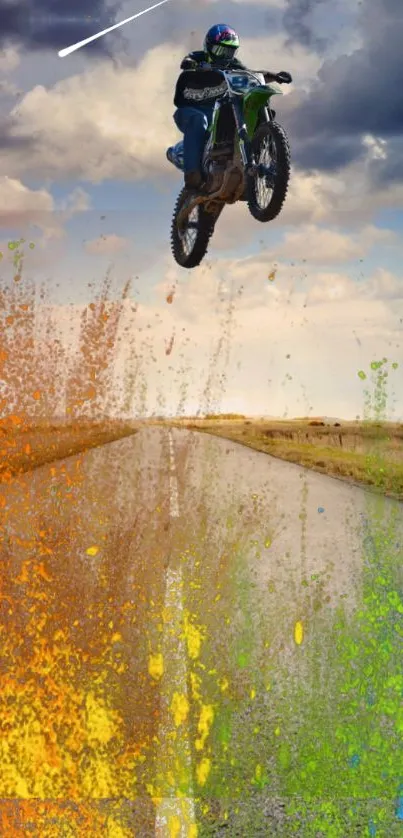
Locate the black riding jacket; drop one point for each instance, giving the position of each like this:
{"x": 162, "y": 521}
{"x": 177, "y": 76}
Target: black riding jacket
{"x": 200, "y": 88}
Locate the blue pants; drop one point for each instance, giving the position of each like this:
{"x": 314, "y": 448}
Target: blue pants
{"x": 193, "y": 122}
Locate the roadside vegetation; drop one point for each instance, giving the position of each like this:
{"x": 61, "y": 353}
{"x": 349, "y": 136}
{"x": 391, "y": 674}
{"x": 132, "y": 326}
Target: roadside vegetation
{"x": 24, "y": 448}
{"x": 369, "y": 453}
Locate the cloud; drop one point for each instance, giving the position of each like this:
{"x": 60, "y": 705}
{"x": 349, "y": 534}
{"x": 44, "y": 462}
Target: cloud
{"x": 345, "y": 201}
{"x": 113, "y": 121}
{"x": 76, "y": 201}
{"x": 106, "y": 123}
{"x": 356, "y": 95}
{"x": 328, "y": 322}
{"x": 297, "y": 23}
{"x": 385, "y": 285}
{"x": 83, "y": 127}
{"x": 35, "y": 208}
{"x": 49, "y": 25}
{"x": 21, "y": 202}
{"x": 317, "y": 245}
{"x": 270, "y": 52}
{"x": 106, "y": 244}
{"x": 9, "y": 59}
{"x": 311, "y": 340}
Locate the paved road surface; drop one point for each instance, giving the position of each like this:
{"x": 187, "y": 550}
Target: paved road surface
{"x": 198, "y": 639}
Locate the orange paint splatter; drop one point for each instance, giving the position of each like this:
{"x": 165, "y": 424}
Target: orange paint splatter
{"x": 169, "y": 345}
{"x": 170, "y": 296}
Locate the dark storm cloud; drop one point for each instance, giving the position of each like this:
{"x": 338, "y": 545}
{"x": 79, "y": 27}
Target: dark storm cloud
{"x": 53, "y": 24}
{"x": 186, "y": 22}
{"x": 357, "y": 94}
{"x": 332, "y": 155}
{"x": 389, "y": 170}
{"x": 298, "y": 25}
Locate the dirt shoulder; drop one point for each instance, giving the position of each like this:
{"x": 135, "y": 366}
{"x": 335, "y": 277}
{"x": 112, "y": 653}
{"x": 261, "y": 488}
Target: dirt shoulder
{"x": 360, "y": 452}
{"x": 23, "y": 449}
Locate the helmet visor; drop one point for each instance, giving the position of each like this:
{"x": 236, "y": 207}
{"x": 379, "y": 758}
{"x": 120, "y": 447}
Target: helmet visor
{"x": 222, "y": 51}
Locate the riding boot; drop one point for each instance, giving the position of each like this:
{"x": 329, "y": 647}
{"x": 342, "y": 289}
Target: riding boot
{"x": 193, "y": 179}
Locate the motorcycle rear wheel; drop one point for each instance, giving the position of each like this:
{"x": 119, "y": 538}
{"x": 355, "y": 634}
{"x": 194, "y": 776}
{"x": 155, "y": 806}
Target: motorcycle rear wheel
{"x": 269, "y": 137}
{"x": 189, "y": 246}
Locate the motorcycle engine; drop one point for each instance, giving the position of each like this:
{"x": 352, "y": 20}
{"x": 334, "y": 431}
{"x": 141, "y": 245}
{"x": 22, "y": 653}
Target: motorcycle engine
{"x": 215, "y": 175}
{"x": 217, "y": 164}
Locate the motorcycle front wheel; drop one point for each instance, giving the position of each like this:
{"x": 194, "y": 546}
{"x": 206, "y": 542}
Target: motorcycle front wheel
{"x": 266, "y": 194}
{"x": 190, "y": 243}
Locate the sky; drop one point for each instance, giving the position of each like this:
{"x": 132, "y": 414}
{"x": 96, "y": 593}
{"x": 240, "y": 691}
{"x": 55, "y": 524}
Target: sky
{"x": 280, "y": 318}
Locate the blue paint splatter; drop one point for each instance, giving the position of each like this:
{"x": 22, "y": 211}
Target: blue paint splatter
{"x": 320, "y": 509}
{"x": 371, "y": 698}
{"x": 399, "y": 808}
{"x": 372, "y": 829}
{"x": 355, "y": 761}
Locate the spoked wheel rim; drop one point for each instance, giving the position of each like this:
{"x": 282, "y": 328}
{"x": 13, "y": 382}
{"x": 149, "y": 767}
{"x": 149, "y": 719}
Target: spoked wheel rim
{"x": 265, "y": 183}
{"x": 190, "y": 238}
{"x": 189, "y": 230}
{"x": 267, "y": 187}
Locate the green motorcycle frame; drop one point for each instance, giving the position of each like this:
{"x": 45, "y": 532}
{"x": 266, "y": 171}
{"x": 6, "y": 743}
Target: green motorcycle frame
{"x": 242, "y": 128}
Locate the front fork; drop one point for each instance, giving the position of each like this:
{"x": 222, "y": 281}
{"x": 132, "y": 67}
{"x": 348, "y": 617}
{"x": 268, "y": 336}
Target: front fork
{"x": 245, "y": 146}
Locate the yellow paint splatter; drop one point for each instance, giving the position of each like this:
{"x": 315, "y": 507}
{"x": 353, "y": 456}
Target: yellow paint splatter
{"x": 174, "y": 827}
{"x": 195, "y": 682}
{"x": 114, "y": 830}
{"x": 92, "y": 551}
{"x": 156, "y": 665}
{"x": 298, "y": 633}
{"x": 179, "y": 708}
{"x": 101, "y": 726}
{"x": 277, "y": 731}
{"x": 203, "y": 770}
{"x": 193, "y": 638}
{"x": 204, "y": 725}
{"x": 224, "y": 685}
{"x": 253, "y": 694}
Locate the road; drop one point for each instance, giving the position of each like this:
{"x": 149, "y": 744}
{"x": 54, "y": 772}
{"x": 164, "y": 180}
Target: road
{"x": 198, "y": 639}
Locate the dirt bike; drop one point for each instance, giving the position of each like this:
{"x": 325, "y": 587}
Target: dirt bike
{"x": 246, "y": 155}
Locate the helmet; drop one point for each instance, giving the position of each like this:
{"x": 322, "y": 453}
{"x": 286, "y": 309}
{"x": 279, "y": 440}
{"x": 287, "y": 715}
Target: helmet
{"x": 221, "y": 42}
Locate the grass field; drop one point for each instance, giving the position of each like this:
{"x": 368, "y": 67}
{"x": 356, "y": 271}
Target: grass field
{"x": 362, "y": 452}
{"x": 25, "y": 448}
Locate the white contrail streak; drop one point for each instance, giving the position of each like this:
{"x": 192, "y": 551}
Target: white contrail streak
{"x": 68, "y": 50}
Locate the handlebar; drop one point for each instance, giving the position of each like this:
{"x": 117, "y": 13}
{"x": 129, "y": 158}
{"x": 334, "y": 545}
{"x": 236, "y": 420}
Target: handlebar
{"x": 281, "y": 78}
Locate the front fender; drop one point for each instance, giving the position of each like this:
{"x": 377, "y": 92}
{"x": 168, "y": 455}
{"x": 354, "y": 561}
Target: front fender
{"x": 256, "y": 99}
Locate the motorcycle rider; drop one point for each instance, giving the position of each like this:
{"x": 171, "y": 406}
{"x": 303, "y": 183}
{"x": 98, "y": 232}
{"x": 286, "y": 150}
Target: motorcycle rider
{"x": 196, "y": 92}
